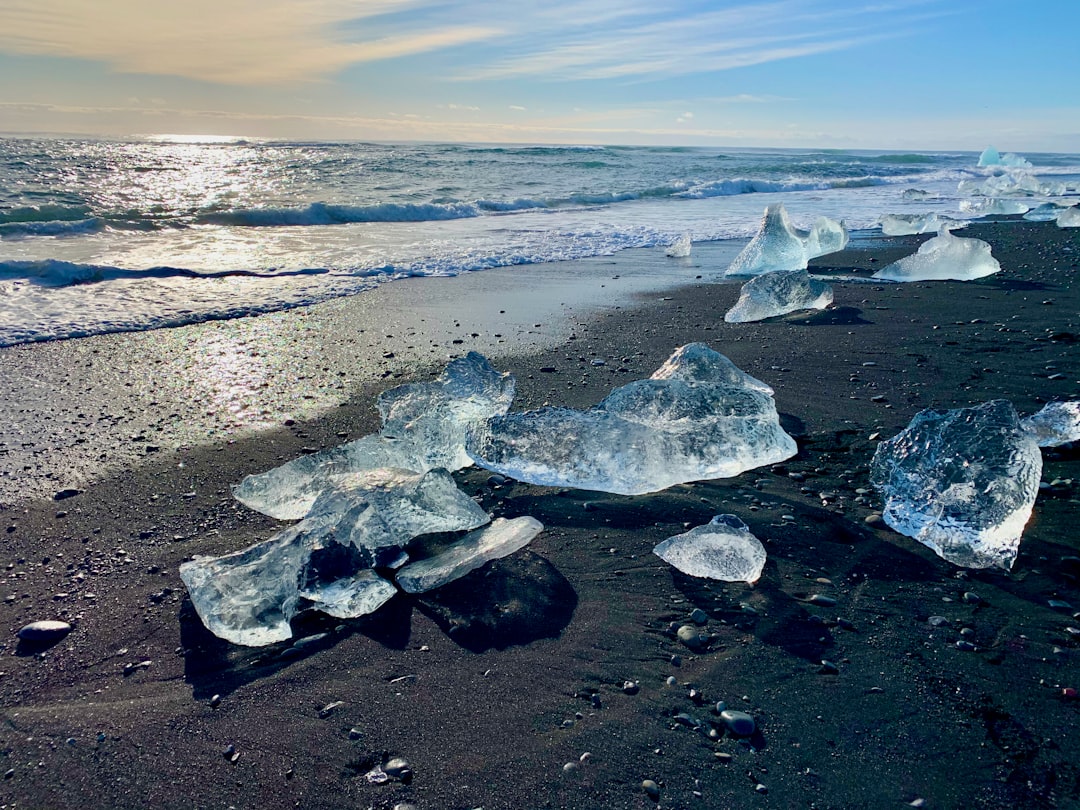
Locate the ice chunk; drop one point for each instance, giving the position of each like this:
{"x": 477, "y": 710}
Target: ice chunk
{"x": 423, "y": 428}
{"x": 918, "y": 194}
{"x": 962, "y": 482}
{"x": 994, "y": 206}
{"x": 696, "y": 362}
{"x": 1057, "y": 423}
{"x": 1047, "y": 212}
{"x": 324, "y": 561}
{"x": 779, "y": 245}
{"x": 1011, "y": 184}
{"x": 772, "y": 294}
{"x": 991, "y": 157}
{"x": 905, "y": 224}
{"x": 680, "y": 248}
{"x": 643, "y": 437}
{"x": 1069, "y": 218}
{"x": 944, "y": 257}
{"x": 722, "y": 549}
{"x": 501, "y": 538}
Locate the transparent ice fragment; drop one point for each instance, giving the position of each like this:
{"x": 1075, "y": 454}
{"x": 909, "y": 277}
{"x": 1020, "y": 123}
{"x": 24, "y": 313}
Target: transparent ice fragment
{"x": 1046, "y": 212}
{"x": 944, "y": 257}
{"x": 1056, "y": 424}
{"x": 501, "y": 538}
{"x": 991, "y": 157}
{"x": 779, "y": 245}
{"x": 772, "y": 294}
{"x": 994, "y": 206}
{"x": 905, "y": 224}
{"x": 423, "y": 428}
{"x": 962, "y": 482}
{"x": 696, "y": 362}
{"x": 918, "y": 194}
{"x": 643, "y": 437}
{"x": 680, "y": 248}
{"x": 1069, "y": 218}
{"x": 722, "y": 549}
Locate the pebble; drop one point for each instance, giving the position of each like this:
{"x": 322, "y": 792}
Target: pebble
{"x": 699, "y": 616}
{"x": 972, "y": 598}
{"x": 652, "y": 790}
{"x": 739, "y": 723}
{"x": 630, "y": 687}
{"x": 828, "y": 668}
{"x": 64, "y": 494}
{"x": 873, "y": 519}
{"x": 691, "y": 637}
{"x": 821, "y": 599}
{"x": 938, "y": 621}
{"x": 355, "y": 733}
{"x": 966, "y": 646}
{"x": 397, "y": 768}
{"x": 45, "y": 630}
{"x": 328, "y": 709}
{"x": 723, "y": 756}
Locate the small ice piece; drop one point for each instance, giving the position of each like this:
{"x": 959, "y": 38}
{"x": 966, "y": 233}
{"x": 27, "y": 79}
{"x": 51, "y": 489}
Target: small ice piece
{"x": 680, "y": 248}
{"x": 1056, "y": 424}
{"x": 501, "y": 538}
{"x": 772, "y": 294}
{"x": 423, "y": 428}
{"x": 1069, "y": 218}
{"x": 643, "y": 437}
{"x": 905, "y": 224}
{"x": 962, "y": 482}
{"x": 991, "y": 157}
{"x": 323, "y": 562}
{"x": 722, "y": 549}
{"x": 1047, "y": 212}
{"x": 942, "y": 258}
{"x": 918, "y": 194}
{"x": 779, "y": 245}
{"x": 994, "y": 205}
{"x": 696, "y": 362}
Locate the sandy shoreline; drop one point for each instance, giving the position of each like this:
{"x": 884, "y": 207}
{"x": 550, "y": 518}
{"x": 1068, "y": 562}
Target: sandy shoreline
{"x": 488, "y": 714}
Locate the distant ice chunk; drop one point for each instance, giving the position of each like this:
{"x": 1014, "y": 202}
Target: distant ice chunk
{"x": 1056, "y": 424}
{"x": 1047, "y": 212}
{"x": 680, "y": 248}
{"x": 962, "y": 482}
{"x": 905, "y": 224}
{"x": 942, "y": 258}
{"x": 994, "y": 206}
{"x": 918, "y": 194}
{"x": 723, "y": 549}
{"x": 991, "y": 157}
{"x": 501, "y": 538}
{"x": 1069, "y": 218}
{"x": 1012, "y": 184}
{"x": 423, "y": 428}
{"x": 779, "y": 245}
{"x": 324, "y": 561}
{"x": 643, "y": 437}
{"x": 772, "y": 294}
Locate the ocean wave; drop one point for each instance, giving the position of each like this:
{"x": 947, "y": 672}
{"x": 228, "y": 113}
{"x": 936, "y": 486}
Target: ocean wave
{"x": 44, "y": 213}
{"x": 327, "y": 214}
{"x": 57, "y": 273}
{"x": 731, "y": 188}
{"x": 52, "y": 228}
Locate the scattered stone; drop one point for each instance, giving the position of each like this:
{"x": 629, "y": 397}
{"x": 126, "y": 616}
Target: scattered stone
{"x": 44, "y": 631}
{"x": 938, "y": 621}
{"x": 215, "y": 701}
{"x": 873, "y": 519}
{"x": 739, "y": 723}
{"x": 972, "y": 598}
{"x": 398, "y": 768}
{"x": 230, "y": 753}
{"x": 723, "y": 756}
{"x": 631, "y": 687}
{"x": 652, "y": 790}
{"x": 699, "y": 616}
{"x": 64, "y": 494}
{"x": 821, "y": 600}
{"x": 355, "y": 733}
{"x": 691, "y": 637}
{"x": 329, "y": 708}
{"x": 828, "y": 668}
{"x": 965, "y": 646}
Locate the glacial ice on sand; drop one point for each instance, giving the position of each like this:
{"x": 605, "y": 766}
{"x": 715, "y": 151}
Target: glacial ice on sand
{"x": 779, "y": 245}
{"x": 1056, "y": 424}
{"x": 962, "y": 482}
{"x": 423, "y": 428}
{"x": 696, "y": 362}
{"x": 905, "y": 224}
{"x": 944, "y": 257}
{"x": 722, "y": 549}
{"x": 643, "y": 437}
{"x": 680, "y": 248}
{"x": 501, "y": 538}
{"x": 991, "y": 157}
{"x": 1069, "y": 218}
{"x": 1012, "y": 184}
{"x": 1047, "y": 212}
{"x": 778, "y": 293}
{"x": 324, "y": 562}
{"x": 994, "y": 206}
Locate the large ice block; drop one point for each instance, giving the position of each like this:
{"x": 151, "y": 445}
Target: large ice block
{"x": 942, "y": 258}
{"x": 779, "y": 245}
{"x": 991, "y": 157}
{"x": 423, "y": 428}
{"x": 323, "y": 562}
{"x": 722, "y": 549}
{"x": 772, "y": 294}
{"x": 962, "y": 482}
{"x": 1069, "y": 218}
{"x": 643, "y": 437}
{"x": 1056, "y": 424}
{"x": 501, "y": 538}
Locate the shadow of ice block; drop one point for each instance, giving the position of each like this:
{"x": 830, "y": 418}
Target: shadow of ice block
{"x": 962, "y": 482}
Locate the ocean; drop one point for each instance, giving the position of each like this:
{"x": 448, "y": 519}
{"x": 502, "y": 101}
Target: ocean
{"x": 106, "y": 235}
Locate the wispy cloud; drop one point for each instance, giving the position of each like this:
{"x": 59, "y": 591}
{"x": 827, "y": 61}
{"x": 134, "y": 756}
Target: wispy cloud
{"x": 243, "y": 42}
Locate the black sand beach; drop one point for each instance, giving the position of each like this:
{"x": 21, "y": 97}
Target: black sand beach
{"x": 495, "y": 688}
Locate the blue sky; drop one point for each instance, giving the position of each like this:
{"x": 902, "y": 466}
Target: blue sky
{"x": 919, "y": 74}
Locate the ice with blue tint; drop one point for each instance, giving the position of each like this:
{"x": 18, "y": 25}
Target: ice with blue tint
{"x": 680, "y": 248}
{"x": 962, "y": 482}
{"x": 501, "y": 538}
{"x": 1069, "y": 218}
{"x": 905, "y": 224}
{"x": 1047, "y": 212}
{"x": 723, "y": 549}
{"x": 1012, "y": 184}
{"x": 779, "y": 245}
{"x": 324, "y": 562}
{"x": 773, "y": 294}
{"x": 1056, "y": 424}
{"x": 944, "y": 257}
{"x": 423, "y": 428}
{"x": 643, "y": 437}
{"x": 994, "y": 206}
{"x": 991, "y": 157}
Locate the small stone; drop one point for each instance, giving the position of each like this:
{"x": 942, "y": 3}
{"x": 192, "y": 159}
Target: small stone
{"x": 44, "y": 631}
{"x": 822, "y": 600}
{"x": 873, "y": 519}
{"x": 760, "y": 788}
{"x": 230, "y": 753}
{"x": 652, "y": 790}
{"x": 938, "y": 621}
{"x": 671, "y": 680}
{"x": 398, "y": 768}
{"x": 215, "y": 701}
{"x": 355, "y": 733}
{"x": 828, "y": 668}
{"x": 739, "y": 723}
{"x": 1058, "y": 604}
{"x": 691, "y": 637}
{"x": 328, "y": 709}
{"x": 972, "y": 598}
{"x": 723, "y": 756}
{"x": 966, "y": 646}
{"x": 570, "y": 767}
{"x": 64, "y": 494}
{"x": 630, "y": 687}
{"x": 699, "y": 616}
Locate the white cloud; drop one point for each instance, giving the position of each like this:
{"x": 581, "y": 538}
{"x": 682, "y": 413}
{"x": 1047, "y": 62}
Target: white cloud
{"x": 242, "y": 42}
{"x": 517, "y": 107}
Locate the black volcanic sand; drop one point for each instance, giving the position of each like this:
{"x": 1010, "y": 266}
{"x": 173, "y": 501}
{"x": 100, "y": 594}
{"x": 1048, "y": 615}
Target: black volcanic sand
{"x": 495, "y": 688}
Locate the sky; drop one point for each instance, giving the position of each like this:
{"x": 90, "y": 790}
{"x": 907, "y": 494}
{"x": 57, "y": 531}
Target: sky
{"x": 894, "y": 74}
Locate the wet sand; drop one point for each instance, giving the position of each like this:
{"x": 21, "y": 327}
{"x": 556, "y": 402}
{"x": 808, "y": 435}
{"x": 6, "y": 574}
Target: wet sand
{"x": 489, "y": 688}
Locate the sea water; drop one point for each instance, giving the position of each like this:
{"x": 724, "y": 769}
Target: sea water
{"x": 100, "y": 235}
